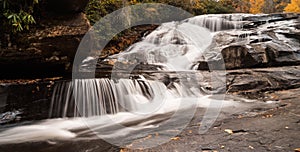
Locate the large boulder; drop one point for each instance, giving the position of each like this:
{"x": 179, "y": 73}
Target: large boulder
{"x": 238, "y": 56}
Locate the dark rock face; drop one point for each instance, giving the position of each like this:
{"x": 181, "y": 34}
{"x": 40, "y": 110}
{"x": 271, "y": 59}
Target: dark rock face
{"x": 66, "y": 6}
{"x": 30, "y": 97}
{"x": 47, "y": 50}
{"x": 271, "y": 40}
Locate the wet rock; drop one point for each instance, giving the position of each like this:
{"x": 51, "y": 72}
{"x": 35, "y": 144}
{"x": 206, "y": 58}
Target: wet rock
{"x": 10, "y": 116}
{"x": 263, "y": 45}
{"x": 281, "y": 54}
{"x": 269, "y": 18}
{"x": 238, "y": 57}
{"x": 31, "y": 96}
{"x": 252, "y": 82}
{"x": 292, "y": 34}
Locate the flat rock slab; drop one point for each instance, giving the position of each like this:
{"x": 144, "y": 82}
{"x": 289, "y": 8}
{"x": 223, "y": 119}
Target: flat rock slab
{"x": 272, "y": 130}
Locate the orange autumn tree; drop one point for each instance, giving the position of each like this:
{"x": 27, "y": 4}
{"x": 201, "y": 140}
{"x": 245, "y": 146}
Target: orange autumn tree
{"x": 294, "y": 6}
{"x": 274, "y": 6}
{"x": 239, "y": 6}
{"x": 256, "y": 6}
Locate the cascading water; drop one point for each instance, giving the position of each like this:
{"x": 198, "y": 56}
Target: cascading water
{"x": 95, "y": 97}
{"x": 170, "y": 43}
{"x": 100, "y": 96}
{"x": 184, "y": 41}
{"x": 174, "y": 45}
{"x": 103, "y": 104}
{"x": 217, "y": 22}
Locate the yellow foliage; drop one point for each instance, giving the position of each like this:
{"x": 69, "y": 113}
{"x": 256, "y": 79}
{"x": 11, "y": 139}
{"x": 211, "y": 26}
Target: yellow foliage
{"x": 294, "y": 6}
{"x": 256, "y": 6}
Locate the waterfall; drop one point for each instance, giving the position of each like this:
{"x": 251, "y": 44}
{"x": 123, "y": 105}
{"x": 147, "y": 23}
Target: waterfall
{"x": 217, "y": 22}
{"x": 177, "y": 46}
{"x": 94, "y": 97}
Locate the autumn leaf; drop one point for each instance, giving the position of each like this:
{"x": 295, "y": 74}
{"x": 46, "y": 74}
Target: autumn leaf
{"x": 175, "y": 138}
{"x": 229, "y": 131}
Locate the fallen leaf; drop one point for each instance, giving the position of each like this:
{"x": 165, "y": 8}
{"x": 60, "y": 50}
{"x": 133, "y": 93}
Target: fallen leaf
{"x": 228, "y": 131}
{"x": 175, "y": 138}
{"x": 122, "y": 150}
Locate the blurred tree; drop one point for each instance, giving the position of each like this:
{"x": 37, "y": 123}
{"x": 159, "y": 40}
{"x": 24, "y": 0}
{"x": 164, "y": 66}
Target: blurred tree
{"x": 272, "y": 6}
{"x": 280, "y": 5}
{"x": 230, "y": 4}
{"x": 268, "y": 7}
{"x": 294, "y": 6}
{"x": 241, "y": 6}
{"x": 215, "y": 7}
{"x": 256, "y": 6}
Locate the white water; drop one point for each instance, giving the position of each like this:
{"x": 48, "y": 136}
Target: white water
{"x": 218, "y": 22}
{"x": 174, "y": 45}
{"x": 98, "y": 126}
{"x": 92, "y": 97}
